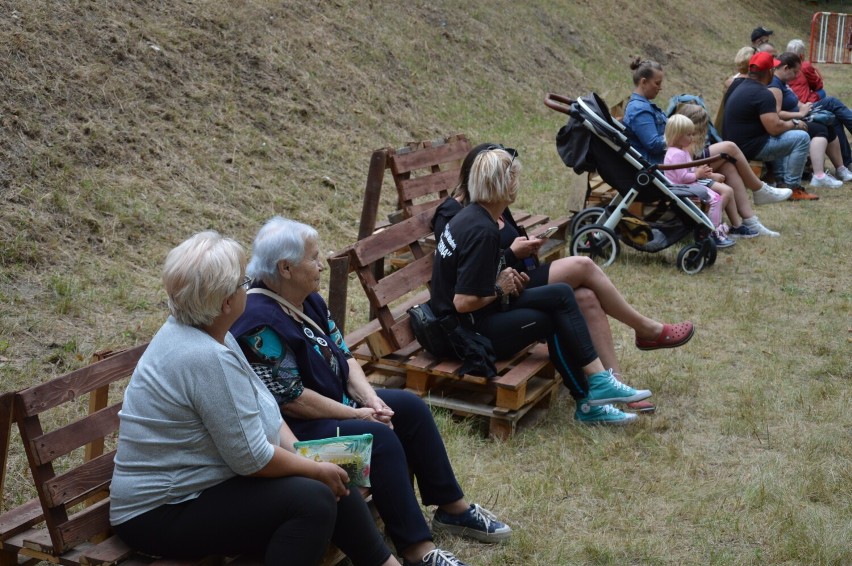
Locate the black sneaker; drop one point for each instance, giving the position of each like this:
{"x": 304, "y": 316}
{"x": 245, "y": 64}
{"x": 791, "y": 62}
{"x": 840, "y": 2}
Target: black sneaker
{"x": 436, "y": 557}
{"x": 477, "y": 522}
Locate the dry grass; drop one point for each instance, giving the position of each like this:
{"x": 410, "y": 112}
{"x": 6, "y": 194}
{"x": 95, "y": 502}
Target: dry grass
{"x": 128, "y": 126}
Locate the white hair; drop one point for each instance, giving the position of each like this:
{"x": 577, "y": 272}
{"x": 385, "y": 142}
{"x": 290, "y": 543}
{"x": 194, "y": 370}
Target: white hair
{"x": 199, "y": 274}
{"x": 797, "y": 46}
{"x": 280, "y": 239}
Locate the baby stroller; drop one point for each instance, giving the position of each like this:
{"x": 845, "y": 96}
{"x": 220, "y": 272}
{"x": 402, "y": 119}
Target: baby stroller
{"x": 592, "y": 141}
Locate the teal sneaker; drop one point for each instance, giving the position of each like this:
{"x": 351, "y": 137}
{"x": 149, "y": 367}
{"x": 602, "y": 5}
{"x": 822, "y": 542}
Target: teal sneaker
{"x": 604, "y": 389}
{"x": 605, "y": 415}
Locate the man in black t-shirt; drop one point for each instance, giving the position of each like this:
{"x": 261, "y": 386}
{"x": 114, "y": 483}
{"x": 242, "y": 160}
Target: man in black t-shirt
{"x": 751, "y": 121}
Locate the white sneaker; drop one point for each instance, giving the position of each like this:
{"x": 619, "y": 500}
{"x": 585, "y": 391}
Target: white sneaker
{"x": 843, "y": 174}
{"x": 826, "y": 181}
{"x": 767, "y": 195}
{"x": 754, "y": 224}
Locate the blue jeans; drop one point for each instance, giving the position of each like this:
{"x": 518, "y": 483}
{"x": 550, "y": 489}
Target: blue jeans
{"x": 844, "y": 118}
{"x": 787, "y": 153}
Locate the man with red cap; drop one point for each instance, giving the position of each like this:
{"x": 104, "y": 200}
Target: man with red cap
{"x": 751, "y": 121}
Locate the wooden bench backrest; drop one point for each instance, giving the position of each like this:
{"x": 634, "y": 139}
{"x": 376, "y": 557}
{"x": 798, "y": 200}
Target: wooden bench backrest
{"x": 385, "y": 293}
{"x": 426, "y": 172}
{"x": 74, "y": 498}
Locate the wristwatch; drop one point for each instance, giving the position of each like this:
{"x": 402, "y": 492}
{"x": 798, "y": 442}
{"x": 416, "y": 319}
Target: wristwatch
{"x": 499, "y": 291}
{"x": 795, "y": 123}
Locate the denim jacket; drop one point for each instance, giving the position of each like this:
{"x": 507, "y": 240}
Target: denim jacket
{"x": 646, "y": 126}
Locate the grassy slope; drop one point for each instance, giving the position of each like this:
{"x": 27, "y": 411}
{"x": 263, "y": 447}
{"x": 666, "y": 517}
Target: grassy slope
{"x": 129, "y": 125}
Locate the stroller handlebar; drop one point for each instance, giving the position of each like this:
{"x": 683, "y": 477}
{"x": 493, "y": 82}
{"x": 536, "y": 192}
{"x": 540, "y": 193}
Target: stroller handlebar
{"x": 697, "y": 162}
{"x": 558, "y": 102}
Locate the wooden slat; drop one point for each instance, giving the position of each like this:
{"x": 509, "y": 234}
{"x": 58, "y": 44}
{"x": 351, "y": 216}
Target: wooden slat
{"x": 404, "y": 162}
{"x": 84, "y": 525}
{"x": 40, "y": 398}
{"x": 522, "y": 372}
{"x": 105, "y": 553}
{"x": 75, "y": 484}
{"x": 403, "y": 281}
{"x": 359, "y": 335}
{"x": 392, "y": 238}
{"x": 6, "y": 419}
{"x": 422, "y": 207}
{"x": 19, "y": 519}
{"x": 61, "y": 441}
{"x": 372, "y": 193}
{"x": 417, "y": 187}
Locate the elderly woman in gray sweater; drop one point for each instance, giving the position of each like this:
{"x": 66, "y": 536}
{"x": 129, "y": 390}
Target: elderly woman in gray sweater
{"x": 205, "y": 464}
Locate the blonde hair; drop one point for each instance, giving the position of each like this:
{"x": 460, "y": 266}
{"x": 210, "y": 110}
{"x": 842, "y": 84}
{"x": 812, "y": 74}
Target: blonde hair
{"x": 199, "y": 274}
{"x": 742, "y": 58}
{"x": 676, "y": 126}
{"x": 701, "y": 120}
{"x": 494, "y": 177}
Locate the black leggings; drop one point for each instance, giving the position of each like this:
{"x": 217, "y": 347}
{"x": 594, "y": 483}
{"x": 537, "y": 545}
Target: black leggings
{"x": 286, "y": 520}
{"x": 549, "y": 312}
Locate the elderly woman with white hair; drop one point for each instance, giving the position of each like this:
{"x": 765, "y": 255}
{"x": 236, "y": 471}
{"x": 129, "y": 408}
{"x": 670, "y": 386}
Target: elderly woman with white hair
{"x": 472, "y": 284}
{"x": 205, "y": 464}
{"x": 295, "y": 347}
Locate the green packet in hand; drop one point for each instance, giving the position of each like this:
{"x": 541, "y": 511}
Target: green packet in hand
{"x": 352, "y": 453}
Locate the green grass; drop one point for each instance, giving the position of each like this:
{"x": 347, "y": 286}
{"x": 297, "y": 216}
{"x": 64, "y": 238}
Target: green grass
{"x": 115, "y": 151}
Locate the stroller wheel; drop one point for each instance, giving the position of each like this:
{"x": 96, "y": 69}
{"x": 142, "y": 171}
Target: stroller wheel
{"x": 586, "y": 217}
{"x": 597, "y": 242}
{"x": 691, "y": 259}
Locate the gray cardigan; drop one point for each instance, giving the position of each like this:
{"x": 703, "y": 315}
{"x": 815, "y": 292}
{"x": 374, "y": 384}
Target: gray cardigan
{"x": 194, "y": 415}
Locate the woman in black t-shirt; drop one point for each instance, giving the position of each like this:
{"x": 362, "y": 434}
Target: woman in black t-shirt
{"x": 470, "y": 280}
{"x": 596, "y": 294}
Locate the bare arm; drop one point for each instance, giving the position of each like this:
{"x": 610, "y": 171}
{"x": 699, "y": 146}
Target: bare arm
{"x": 775, "y": 126}
{"x": 361, "y": 390}
{"x": 509, "y": 280}
{"x": 285, "y": 463}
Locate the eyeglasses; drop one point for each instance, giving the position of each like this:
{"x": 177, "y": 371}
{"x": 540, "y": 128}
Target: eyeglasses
{"x": 245, "y": 283}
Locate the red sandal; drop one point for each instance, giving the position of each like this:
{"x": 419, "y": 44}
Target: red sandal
{"x": 642, "y": 407}
{"x": 672, "y": 336}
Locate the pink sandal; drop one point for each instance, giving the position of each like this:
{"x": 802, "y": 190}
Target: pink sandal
{"x": 672, "y": 336}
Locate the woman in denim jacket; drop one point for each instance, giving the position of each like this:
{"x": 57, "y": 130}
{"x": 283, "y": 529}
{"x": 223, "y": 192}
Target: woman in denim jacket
{"x": 646, "y": 126}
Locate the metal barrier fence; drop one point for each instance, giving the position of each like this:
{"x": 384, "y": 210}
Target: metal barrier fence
{"x": 831, "y": 38}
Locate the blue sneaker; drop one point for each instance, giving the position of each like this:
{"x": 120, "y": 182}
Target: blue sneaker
{"x": 604, "y": 389}
{"x": 606, "y": 415}
{"x": 743, "y": 231}
{"x": 722, "y": 242}
{"x": 436, "y": 557}
{"x": 477, "y": 522}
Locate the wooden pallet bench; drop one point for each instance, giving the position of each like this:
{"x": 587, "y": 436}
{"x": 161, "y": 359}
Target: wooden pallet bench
{"x": 71, "y": 465}
{"x": 392, "y": 357}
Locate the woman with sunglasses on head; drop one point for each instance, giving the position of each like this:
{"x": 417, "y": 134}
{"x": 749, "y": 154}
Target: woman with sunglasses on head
{"x": 472, "y": 283}
{"x": 205, "y": 465}
{"x": 595, "y": 293}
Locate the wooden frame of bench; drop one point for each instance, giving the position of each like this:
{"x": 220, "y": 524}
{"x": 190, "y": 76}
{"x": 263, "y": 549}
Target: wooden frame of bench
{"x": 424, "y": 173}
{"x": 68, "y": 523}
{"x": 389, "y": 353}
